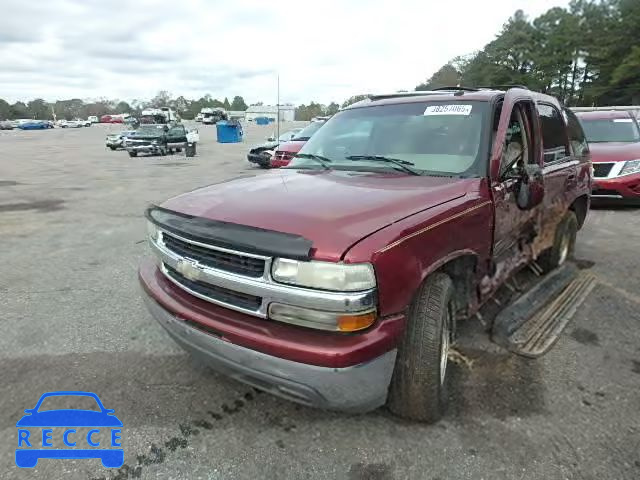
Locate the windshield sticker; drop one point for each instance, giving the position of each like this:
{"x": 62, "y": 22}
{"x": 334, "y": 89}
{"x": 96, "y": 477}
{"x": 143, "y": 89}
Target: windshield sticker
{"x": 448, "y": 110}
{"x": 622, "y": 120}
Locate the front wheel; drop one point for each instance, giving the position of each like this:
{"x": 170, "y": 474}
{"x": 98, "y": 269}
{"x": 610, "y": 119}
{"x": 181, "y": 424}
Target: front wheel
{"x": 563, "y": 244}
{"x": 112, "y": 147}
{"x": 418, "y": 386}
{"x": 133, "y": 154}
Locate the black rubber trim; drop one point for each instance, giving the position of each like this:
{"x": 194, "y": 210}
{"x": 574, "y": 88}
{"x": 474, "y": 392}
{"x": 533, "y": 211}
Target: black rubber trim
{"x": 231, "y": 235}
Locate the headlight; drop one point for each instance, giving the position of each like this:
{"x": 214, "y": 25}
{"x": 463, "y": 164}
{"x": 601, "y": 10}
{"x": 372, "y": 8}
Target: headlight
{"x": 152, "y": 231}
{"x": 632, "y": 166}
{"x": 324, "y": 275}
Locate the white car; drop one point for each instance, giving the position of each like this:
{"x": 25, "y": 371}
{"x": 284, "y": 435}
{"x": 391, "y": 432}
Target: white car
{"x": 93, "y": 119}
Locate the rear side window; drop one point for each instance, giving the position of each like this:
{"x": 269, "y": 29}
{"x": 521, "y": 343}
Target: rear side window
{"x": 577, "y": 139}
{"x": 554, "y": 138}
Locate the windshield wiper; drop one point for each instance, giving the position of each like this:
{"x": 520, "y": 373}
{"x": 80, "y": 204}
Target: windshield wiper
{"x": 318, "y": 158}
{"x": 403, "y": 164}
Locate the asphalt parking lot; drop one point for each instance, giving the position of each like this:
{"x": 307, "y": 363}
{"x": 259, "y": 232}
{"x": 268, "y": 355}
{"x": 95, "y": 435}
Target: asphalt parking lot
{"x": 72, "y": 236}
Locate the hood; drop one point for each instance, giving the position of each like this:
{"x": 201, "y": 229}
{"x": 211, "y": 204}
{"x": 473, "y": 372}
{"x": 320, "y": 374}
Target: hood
{"x": 614, "y": 152}
{"x": 264, "y": 146}
{"x": 293, "y": 146}
{"x": 333, "y": 209}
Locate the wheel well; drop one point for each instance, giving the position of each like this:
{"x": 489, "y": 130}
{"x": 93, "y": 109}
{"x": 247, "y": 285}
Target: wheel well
{"x": 461, "y": 270}
{"x": 580, "y": 206}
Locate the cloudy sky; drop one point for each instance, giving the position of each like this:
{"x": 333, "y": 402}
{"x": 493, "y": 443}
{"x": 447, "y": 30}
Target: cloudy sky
{"x": 323, "y": 50}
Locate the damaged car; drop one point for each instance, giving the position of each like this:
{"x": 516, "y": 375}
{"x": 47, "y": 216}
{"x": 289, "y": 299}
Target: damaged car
{"x": 115, "y": 141}
{"x": 162, "y": 139}
{"x": 340, "y": 280}
{"x": 261, "y": 154}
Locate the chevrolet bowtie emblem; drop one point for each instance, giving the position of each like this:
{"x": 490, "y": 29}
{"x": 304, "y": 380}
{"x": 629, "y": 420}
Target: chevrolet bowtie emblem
{"x": 188, "y": 270}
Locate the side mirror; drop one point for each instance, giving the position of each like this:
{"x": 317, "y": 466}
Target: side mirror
{"x": 530, "y": 189}
{"x": 271, "y": 139}
{"x": 165, "y": 128}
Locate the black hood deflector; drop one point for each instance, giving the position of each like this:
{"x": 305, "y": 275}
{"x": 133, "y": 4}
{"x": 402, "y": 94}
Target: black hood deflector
{"x": 231, "y": 235}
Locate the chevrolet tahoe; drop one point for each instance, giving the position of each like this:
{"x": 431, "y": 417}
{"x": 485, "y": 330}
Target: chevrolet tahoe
{"x": 338, "y": 282}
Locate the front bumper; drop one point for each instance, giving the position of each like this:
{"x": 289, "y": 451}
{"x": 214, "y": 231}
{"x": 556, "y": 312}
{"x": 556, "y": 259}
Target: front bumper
{"x": 144, "y": 148}
{"x": 259, "y": 159}
{"x": 625, "y": 187}
{"x": 359, "y": 388}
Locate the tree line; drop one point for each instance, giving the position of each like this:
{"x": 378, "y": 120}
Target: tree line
{"x": 77, "y": 108}
{"x": 587, "y": 54}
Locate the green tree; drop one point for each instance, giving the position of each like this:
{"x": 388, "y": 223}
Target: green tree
{"x": 161, "y": 99}
{"x": 123, "y": 107}
{"x": 332, "y": 109}
{"x": 19, "y": 110}
{"x": 354, "y": 99}
{"x": 5, "y": 110}
{"x": 38, "y": 109}
{"x": 238, "y": 104}
{"x": 226, "y": 105}
{"x": 446, "y": 76}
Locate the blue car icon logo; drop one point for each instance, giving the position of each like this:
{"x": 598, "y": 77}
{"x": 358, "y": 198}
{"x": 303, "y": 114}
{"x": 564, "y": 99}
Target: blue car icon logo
{"x": 69, "y": 433}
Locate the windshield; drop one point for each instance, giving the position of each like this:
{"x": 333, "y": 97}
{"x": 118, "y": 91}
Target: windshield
{"x": 610, "y": 130}
{"x": 286, "y": 136}
{"x": 308, "y": 131}
{"x": 434, "y": 138}
{"x": 149, "y": 130}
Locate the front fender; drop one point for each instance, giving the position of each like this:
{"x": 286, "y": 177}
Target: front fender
{"x": 405, "y": 253}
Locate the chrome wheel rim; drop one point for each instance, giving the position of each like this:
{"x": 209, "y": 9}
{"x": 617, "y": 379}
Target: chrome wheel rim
{"x": 444, "y": 346}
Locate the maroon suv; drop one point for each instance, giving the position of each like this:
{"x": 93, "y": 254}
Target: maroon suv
{"x": 339, "y": 281}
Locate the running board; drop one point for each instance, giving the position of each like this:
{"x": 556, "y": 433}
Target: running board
{"x": 533, "y": 323}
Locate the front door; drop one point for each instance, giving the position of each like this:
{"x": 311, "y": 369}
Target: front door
{"x": 515, "y": 145}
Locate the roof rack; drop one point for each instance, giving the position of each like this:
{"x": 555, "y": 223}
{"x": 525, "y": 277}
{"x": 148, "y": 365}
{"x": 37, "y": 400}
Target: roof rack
{"x": 453, "y": 89}
{"x": 502, "y": 87}
{"x": 419, "y": 93}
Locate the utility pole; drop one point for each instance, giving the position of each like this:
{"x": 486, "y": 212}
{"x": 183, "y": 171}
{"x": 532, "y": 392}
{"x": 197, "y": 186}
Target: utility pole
{"x": 278, "y": 109}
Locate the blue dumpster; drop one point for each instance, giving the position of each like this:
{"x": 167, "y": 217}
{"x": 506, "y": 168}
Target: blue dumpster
{"x": 229, "y": 131}
{"x": 262, "y": 121}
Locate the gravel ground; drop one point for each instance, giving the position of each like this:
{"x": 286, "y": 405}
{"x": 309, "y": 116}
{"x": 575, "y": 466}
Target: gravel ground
{"x": 72, "y": 319}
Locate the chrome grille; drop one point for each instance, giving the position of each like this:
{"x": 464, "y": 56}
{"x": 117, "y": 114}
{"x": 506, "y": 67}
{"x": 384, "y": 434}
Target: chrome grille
{"x": 213, "y": 292}
{"x": 215, "y": 258}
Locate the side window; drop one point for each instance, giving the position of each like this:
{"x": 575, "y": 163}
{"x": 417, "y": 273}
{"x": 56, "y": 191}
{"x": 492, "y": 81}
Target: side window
{"x": 516, "y": 148}
{"x": 554, "y": 139}
{"x": 177, "y": 131}
{"x": 577, "y": 139}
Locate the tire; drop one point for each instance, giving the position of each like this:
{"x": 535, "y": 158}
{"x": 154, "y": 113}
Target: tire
{"x": 418, "y": 389}
{"x": 133, "y": 154}
{"x": 563, "y": 245}
{"x": 112, "y": 147}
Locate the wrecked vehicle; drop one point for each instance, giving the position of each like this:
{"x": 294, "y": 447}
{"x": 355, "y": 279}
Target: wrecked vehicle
{"x": 339, "y": 281}
{"x": 287, "y": 150}
{"x": 115, "y": 141}
{"x": 162, "y": 139}
{"x": 261, "y": 154}
{"x": 614, "y": 139}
